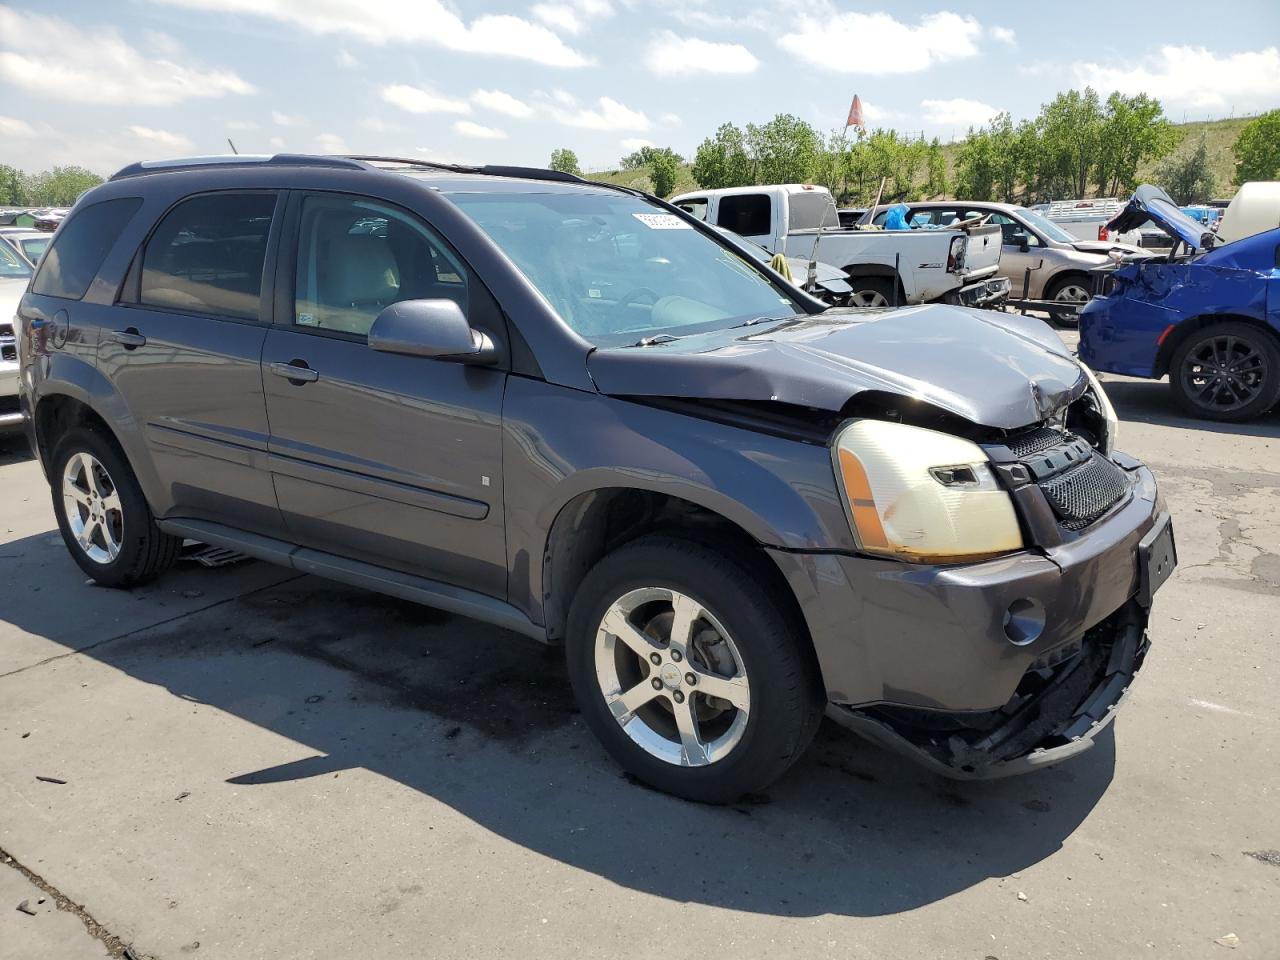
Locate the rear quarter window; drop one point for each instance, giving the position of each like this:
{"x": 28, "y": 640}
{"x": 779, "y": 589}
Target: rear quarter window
{"x": 80, "y": 246}
{"x": 747, "y": 214}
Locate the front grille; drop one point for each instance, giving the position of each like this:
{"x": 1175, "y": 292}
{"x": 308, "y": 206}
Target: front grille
{"x": 8, "y": 345}
{"x": 1034, "y": 441}
{"x": 1083, "y": 493}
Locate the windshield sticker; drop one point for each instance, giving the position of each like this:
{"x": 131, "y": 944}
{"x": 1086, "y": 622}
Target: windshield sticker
{"x": 662, "y": 221}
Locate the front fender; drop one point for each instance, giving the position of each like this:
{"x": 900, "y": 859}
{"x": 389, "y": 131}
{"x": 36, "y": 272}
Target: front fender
{"x": 561, "y": 443}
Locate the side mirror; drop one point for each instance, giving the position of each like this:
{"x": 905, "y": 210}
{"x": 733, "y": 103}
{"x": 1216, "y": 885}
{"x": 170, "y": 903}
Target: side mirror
{"x": 430, "y": 328}
{"x": 1021, "y": 241}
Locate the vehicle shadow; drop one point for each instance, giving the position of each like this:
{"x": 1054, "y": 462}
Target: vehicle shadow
{"x": 13, "y": 449}
{"x": 1150, "y": 401}
{"x": 484, "y": 721}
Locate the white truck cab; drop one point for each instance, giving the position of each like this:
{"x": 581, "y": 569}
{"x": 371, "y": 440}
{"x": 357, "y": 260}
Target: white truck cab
{"x": 885, "y": 267}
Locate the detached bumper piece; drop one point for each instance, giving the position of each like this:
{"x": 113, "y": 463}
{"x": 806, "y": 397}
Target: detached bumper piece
{"x": 984, "y": 293}
{"x": 1066, "y": 699}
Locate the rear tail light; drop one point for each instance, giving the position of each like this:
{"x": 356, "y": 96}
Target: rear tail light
{"x": 1102, "y": 233}
{"x": 955, "y": 255}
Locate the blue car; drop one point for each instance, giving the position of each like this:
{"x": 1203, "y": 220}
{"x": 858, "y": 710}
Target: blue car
{"x": 1208, "y": 316}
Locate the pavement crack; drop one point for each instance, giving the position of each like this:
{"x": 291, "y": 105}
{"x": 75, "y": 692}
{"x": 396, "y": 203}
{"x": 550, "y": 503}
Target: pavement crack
{"x": 115, "y": 946}
{"x": 151, "y": 626}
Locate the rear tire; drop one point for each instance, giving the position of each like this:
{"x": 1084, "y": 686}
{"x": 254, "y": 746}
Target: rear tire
{"x": 873, "y": 292}
{"x": 630, "y": 661}
{"x": 102, "y": 516}
{"x": 1227, "y": 372}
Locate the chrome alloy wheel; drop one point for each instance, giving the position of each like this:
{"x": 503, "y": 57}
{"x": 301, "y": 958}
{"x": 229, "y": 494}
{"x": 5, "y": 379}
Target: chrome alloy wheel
{"x": 672, "y": 677}
{"x": 1073, "y": 293}
{"x": 868, "y": 298}
{"x": 92, "y": 506}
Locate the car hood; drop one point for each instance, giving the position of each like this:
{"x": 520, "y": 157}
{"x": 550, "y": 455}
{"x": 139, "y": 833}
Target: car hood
{"x": 1152, "y": 205}
{"x": 996, "y": 370}
{"x": 1104, "y": 247}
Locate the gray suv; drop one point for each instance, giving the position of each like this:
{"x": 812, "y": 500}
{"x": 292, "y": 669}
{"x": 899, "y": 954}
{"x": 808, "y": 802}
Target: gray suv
{"x": 573, "y": 411}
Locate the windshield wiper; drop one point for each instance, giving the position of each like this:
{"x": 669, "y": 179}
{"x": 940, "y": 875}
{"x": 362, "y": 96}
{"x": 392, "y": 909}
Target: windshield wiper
{"x": 651, "y": 341}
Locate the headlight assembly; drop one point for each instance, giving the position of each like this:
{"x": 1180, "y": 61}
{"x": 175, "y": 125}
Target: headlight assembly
{"x": 1106, "y": 409}
{"x": 919, "y": 495}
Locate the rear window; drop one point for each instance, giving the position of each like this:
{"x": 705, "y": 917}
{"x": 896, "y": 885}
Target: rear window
{"x": 12, "y": 265}
{"x": 810, "y": 210}
{"x": 747, "y": 214}
{"x": 207, "y": 255}
{"x": 80, "y": 246}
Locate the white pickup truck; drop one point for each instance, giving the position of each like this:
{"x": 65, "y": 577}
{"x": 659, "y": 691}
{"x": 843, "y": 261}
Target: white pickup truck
{"x": 885, "y": 267}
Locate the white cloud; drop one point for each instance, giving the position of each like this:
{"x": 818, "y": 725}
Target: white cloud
{"x": 331, "y": 143}
{"x": 276, "y": 143}
{"x": 957, "y": 113}
{"x": 422, "y": 100}
{"x": 163, "y": 137}
{"x": 13, "y": 127}
{"x": 670, "y": 55}
{"x": 345, "y": 60}
{"x": 610, "y": 115}
{"x": 1004, "y": 35}
{"x": 479, "y": 131}
{"x": 1193, "y": 77}
{"x": 877, "y": 43}
{"x": 571, "y": 16}
{"x": 500, "y": 102}
{"x": 419, "y": 22}
{"x": 633, "y": 144}
{"x": 670, "y": 120}
{"x": 287, "y": 120}
{"x": 96, "y": 65}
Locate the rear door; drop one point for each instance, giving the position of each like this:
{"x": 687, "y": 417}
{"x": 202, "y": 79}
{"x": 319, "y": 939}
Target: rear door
{"x": 389, "y": 459}
{"x": 183, "y": 349}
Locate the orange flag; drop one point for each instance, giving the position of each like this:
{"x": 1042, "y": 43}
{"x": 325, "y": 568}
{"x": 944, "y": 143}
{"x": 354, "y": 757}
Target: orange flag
{"x": 855, "y": 114}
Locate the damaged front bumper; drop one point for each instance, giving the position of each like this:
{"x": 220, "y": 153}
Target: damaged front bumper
{"x": 984, "y": 293}
{"x": 1058, "y": 712}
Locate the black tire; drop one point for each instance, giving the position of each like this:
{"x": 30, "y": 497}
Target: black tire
{"x": 1241, "y": 359}
{"x": 786, "y": 696}
{"x": 144, "y": 551}
{"x": 1057, "y": 287}
{"x": 873, "y": 288}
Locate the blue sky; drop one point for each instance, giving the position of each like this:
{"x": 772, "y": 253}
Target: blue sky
{"x": 108, "y": 82}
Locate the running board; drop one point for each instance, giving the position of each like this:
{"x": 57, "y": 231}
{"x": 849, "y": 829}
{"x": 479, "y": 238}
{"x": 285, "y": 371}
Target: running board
{"x": 430, "y": 593}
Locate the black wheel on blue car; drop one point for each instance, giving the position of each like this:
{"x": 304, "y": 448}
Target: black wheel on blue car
{"x": 102, "y": 515}
{"x": 1227, "y": 371}
{"x": 689, "y": 672}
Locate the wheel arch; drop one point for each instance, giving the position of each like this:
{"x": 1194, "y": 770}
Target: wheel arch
{"x": 1190, "y": 326}
{"x": 598, "y": 521}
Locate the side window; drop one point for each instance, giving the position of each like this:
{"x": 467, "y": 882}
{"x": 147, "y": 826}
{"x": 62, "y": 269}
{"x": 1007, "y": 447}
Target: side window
{"x": 357, "y": 256}
{"x": 80, "y": 247}
{"x": 748, "y": 215}
{"x": 1012, "y": 231}
{"x": 207, "y": 255}
{"x": 695, "y": 207}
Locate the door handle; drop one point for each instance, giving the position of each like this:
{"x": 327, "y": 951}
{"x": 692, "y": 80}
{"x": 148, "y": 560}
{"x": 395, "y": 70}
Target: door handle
{"x": 130, "y": 339}
{"x": 295, "y": 371}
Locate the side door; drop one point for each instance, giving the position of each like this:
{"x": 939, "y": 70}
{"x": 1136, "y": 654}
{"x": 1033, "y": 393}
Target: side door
{"x": 385, "y": 458}
{"x": 183, "y": 350}
{"x": 1014, "y": 260}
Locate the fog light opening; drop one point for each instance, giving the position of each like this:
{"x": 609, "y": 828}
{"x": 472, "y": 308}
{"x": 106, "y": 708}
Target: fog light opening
{"x": 1024, "y": 621}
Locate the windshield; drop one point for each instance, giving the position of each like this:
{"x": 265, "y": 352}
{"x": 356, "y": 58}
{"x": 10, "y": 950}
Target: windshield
{"x": 1045, "y": 225}
{"x": 34, "y": 247}
{"x": 12, "y": 265}
{"x": 618, "y": 269}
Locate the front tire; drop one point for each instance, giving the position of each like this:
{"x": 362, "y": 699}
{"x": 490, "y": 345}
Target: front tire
{"x": 689, "y": 673}
{"x": 102, "y": 516}
{"x": 1227, "y": 372}
{"x": 1072, "y": 289}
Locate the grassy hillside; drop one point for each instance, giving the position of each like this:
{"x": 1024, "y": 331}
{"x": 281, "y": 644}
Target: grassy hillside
{"x": 1221, "y": 134}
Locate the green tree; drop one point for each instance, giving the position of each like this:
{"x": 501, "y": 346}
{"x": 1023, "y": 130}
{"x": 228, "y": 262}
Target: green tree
{"x": 976, "y": 166}
{"x": 566, "y": 161}
{"x": 646, "y": 156}
{"x": 1133, "y": 129}
{"x": 663, "y": 169}
{"x": 60, "y": 186}
{"x": 936, "y": 168}
{"x": 12, "y": 185}
{"x": 722, "y": 161}
{"x": 1070, "y": 128}
{"x": 1186, "y": 174}
{"x": 1257, "y": 149}
{"x": 784, "y": 149}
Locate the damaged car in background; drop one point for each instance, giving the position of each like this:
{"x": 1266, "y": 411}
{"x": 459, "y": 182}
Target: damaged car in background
{"x": 734, "y": 507}
{"x": 1207, "y": 314}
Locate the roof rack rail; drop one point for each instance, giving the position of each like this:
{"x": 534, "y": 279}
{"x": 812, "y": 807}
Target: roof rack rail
{"x": 488, "y": 170}
{"x": 369, "y": 159}
{"x": 237, "y": 160}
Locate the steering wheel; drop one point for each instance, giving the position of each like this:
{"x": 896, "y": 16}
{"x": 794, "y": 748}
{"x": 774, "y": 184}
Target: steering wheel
{"x": 634, "y": 295}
